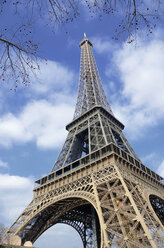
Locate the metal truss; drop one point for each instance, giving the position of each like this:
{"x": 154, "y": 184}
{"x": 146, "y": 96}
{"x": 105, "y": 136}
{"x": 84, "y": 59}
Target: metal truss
{"x": 129, "y": 220}
{"x": 125, "y": 216}
{"x": 89, "y": 134}
{"x": 85, "y": 221}
{"x": 98, "y": 184}
{"x": 91, "y": 91}
{"x": 158, "y": 206}
{"x": 80, "y": 217}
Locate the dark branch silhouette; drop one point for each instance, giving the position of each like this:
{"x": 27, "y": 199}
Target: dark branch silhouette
{"x": 18, "y": 50}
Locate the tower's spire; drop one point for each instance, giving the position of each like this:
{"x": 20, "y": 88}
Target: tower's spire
{"x": 90, "y": 91}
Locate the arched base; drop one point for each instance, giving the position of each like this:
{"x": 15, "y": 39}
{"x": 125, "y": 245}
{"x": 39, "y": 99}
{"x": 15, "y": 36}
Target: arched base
{"x": 158, "y": 206}
{"x": 76, "y": 212}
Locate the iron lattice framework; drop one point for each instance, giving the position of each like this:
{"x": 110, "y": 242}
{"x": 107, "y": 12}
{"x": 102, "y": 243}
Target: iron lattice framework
{"x": 98, "y": 184}
{"x": 90, "y": 91}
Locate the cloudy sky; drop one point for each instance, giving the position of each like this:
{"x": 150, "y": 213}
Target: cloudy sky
{"x": 33, "y": 119}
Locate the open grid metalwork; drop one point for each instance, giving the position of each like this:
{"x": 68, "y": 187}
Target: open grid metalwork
{"x": 98, "y": 185}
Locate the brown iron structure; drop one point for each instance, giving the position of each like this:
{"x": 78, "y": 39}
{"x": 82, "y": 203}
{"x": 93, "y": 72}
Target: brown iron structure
{"x": 98, "y": 184}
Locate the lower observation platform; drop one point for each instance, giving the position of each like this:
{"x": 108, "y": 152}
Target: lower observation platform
{"x": 110, "y": 150}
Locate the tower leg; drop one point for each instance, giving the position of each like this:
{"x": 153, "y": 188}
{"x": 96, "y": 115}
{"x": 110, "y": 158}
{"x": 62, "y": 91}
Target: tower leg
{"x": 94, "y": 229}
{"x": 125, "y": 218}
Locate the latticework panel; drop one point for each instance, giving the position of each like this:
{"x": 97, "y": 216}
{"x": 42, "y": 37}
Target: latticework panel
{"x": 129, "y": 222}
{"x": 90, "y": 92}
{"x": 97, "y": 182}
{"x": 89, "y": 135}
{"x": 85, "y": 221}
{"x": 124, "y": 216}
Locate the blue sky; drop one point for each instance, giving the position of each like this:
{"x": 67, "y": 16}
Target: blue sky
{"x": 33, "y": 119}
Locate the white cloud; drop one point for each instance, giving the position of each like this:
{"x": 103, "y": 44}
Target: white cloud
{"x": 160, "y": 169}
{"x": 3, "y": 164}
{"x": 142, "y": 73}
{"x": 103, "y": 45}
{"x": 52, "y": 76}
{"x": 142, "y": 98}
{"x": 149, "y": 158}
{"x": 15, "y": 194}
{"x": 40, "y": 121}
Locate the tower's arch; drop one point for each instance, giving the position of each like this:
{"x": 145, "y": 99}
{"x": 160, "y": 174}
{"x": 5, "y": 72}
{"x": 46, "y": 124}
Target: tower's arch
{"x": 79, "y": 212}
{"x": 157, "y": 204}
{"x": 84, "y": 220}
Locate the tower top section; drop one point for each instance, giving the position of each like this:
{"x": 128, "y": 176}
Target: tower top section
{"x": 85, "y": 40}
{"x": 91, "y": 92}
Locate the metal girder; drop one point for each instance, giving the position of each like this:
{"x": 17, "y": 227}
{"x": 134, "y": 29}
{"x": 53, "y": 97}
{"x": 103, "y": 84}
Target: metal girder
{"x": 89, "y": 135}
{"x": 83, "y": 219}
{"x": 124, "y": 215}
{"x": 98, "y": 184}
{"x": 90, "y": 91}
{"x": 158, "y": 206}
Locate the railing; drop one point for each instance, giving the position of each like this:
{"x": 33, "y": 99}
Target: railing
{"x": 93, "y": 157}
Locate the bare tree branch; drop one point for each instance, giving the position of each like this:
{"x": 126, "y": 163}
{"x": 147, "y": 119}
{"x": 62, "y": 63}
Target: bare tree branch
{"x": 18, "y": 51}
{"x": 9, "y": 43}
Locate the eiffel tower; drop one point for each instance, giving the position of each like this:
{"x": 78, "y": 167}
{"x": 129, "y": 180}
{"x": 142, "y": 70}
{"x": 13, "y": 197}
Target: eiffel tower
{"x": 98, "y": 185}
